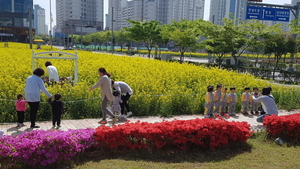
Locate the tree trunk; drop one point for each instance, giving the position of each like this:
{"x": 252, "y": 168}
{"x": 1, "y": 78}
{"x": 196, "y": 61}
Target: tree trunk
{"x": 235, "y": 61}
{"x": 256, "y": 61}
{"x": 181, "y": 57}
{"x": 219, "y": 61}
{"x": 277, "y": 60}
{"x": 149, "y": 52}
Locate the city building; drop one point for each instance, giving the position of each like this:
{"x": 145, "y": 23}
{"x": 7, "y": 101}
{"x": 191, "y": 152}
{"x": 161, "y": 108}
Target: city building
{"x": 220, "y": 9}
{"x": 79, "y": 17}
{"x": 161, "y": 10}
{"x": 39, "y": 20}
{"x": 14, "y": 20}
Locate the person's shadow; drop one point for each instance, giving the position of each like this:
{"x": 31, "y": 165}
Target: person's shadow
{"x": 12, "y": 129}
{"x": 17, "y": 131}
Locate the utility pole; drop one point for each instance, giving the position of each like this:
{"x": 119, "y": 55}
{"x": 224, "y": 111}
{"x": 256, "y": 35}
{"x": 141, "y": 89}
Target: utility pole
{"x": 50, "y": 32}
{"x": 30, "y": 26}
{"x": 81, "y": 34}
{"x": 112, "y": 30}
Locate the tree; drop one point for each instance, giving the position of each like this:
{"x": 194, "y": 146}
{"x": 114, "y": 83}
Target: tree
{"x": 122, "y": 39}
{"x": 214, "y": 43}
{"x": 238, "y": 38}
{"x": 278, "y": 46}
{"x": 146, "y": 32}
{"x": 184, "y": 33}
{"x": 292, "y": 46}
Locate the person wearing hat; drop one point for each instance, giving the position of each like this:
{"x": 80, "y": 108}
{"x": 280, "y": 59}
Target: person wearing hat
{"x": 231, "y": 101}
{"x": 267, "y": 102}
{"x": 245, "y": 101}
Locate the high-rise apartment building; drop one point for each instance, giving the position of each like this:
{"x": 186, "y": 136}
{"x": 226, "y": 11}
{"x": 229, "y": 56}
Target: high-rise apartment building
{"x": 14, "y": 20}
{"x": 39, "y": 20}
{"x": 161, "y": 10}
{"x": 79, "y": 16}
{"x": 220, "y": 9}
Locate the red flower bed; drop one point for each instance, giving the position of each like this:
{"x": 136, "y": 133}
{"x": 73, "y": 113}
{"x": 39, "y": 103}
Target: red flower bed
{"x": 287, "y": 126}
{"x": 183, "y": 134}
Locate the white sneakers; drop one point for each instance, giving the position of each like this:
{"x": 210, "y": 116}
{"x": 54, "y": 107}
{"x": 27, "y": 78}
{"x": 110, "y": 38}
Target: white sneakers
{"x": 20, "y": 125}
{"x": 129, "y": 114}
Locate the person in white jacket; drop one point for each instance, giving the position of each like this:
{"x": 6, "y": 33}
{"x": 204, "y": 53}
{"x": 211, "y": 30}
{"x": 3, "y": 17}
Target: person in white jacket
{"x": 52, "y": 72}
{"x": 268, "y": 104}
{"x": 126, "y": 92}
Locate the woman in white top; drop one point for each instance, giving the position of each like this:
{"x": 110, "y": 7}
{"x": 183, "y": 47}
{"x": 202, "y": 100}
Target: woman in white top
{"x": 105, "y": 84}
{"x": 52, "y": 71}
{"x": 267, "y": 102}
{"x": 126, "y": 92}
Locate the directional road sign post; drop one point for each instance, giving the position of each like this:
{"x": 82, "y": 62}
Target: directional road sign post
{"x": 270, "y": 14}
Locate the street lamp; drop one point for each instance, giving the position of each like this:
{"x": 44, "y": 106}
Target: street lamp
{"x": 112, "y": 31}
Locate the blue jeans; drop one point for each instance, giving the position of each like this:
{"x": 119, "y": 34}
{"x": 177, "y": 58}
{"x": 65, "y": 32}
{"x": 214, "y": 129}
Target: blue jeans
{"x": 260, "y": 119}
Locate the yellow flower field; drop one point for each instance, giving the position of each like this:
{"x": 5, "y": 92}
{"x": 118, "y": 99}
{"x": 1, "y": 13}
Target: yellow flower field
{"x": 160, "y": 88}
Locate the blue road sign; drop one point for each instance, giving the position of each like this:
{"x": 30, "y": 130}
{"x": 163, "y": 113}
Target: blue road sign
{"x": 271, "y": 14}
{"x": 268, "y": 14}
{"x": 59, "y": 35}
{"x": 283, "y": 15}
{"x": 253, "y": 12}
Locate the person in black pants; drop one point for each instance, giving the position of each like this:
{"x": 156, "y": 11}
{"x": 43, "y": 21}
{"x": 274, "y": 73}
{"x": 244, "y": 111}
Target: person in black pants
{"x": 34, "y": 84}
{"x": 57, "y": 110}
{"x": 126, "y": 92}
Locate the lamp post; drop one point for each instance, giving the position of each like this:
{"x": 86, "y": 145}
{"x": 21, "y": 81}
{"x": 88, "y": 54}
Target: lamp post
{"x": 30, "y": 26}
{"x": 81, "y": 35}
{"x": 50, "y": 32}
{"x": 112, "y": 30}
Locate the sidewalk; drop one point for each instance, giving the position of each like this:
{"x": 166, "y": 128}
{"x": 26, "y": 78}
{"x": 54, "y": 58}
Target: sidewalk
{"x": 11, "y": 129}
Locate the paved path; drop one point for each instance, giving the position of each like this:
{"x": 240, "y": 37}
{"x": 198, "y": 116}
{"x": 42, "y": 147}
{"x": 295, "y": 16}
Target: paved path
{"x": 11, "y": 129}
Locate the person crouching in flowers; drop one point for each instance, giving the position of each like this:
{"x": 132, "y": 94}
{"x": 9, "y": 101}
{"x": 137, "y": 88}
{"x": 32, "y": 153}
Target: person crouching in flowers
{"x": 268, "y": 104}
{"x": 232, "y": 98}
{"x": 224, "y": 98}
{"x": 254, "y": 105}
{"x": 115, "y": 105}
{"x": 21, "y": 108}
{"x": 245, "y": 101}
{"x": 217, "y": 96}
{"x": 57, "y": 110}
{"x": 209, "y": 102}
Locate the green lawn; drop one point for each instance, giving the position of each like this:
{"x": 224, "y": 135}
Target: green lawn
{"x": 258, "y": 152}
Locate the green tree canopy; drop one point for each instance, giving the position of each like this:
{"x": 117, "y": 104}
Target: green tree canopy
{"x": 146, "y": 32}
{"x": 184, "y": 33}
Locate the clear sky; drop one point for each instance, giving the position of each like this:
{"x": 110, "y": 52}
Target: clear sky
{"x": 46, "y": 5}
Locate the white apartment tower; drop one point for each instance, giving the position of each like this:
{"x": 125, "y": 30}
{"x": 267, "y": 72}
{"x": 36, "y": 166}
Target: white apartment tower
{"x": 182, "y": 9}
{"x": 115, "y": 13}
{"x": 39, "y": 22}
{"x": 79, "y": 16}
{"x": 220, "y": 9}
{"x": 161, "y": 10}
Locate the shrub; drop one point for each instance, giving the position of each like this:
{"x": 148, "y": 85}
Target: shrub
{"x": 286, "y": 127}
{"x": 184, "y": 134}
{"x": 42, "y": 148}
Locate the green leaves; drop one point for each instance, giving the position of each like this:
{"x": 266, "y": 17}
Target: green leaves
{"x": 184, "y": 33}
{"x": 146, "y": 32}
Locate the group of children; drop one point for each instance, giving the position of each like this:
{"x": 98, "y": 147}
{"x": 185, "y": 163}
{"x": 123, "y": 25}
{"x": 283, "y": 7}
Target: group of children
{"x": 217, "y": 102}
{"x": 57, "y": 110}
